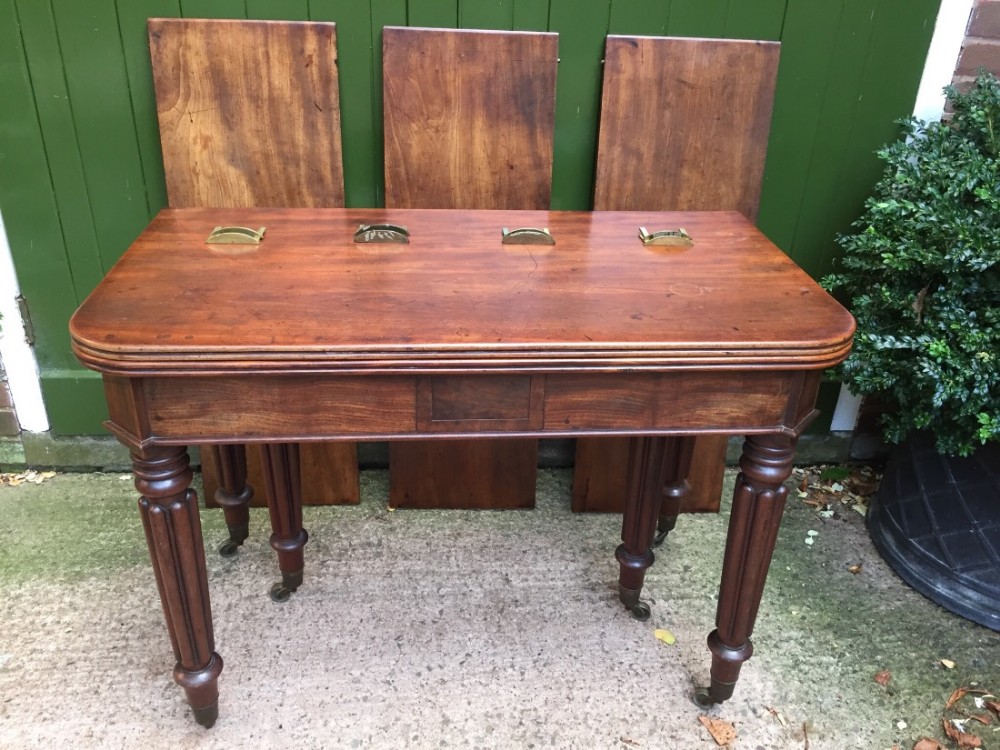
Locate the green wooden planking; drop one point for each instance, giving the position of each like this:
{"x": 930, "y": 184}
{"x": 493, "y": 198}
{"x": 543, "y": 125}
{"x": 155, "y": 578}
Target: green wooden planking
{"x": 74, "y": 400}
{"x": 835, "y": 103}
{"x": 704, "y": 18}
{"x": 213, "y": 8}
{"x": 639, "y": 17}
{"x": 762, "y": 19}
{"x": 99, "y": 95}
{"x": 27, "y": 202}
{"x": 132, "y": 18}
{"x": 441, "y": 14}
{"x": 531, "y": 15}
{"x": 582, "y": 28}
{"x": 837, "y": 109}
{"x": 383, "y": 13}
{"x": 887, "y": 91}
{"x": 808, "y": 40}
{"x": 55, "y": 116}
{"x": 281, "y": 10}
{"x": 354, "y": 68}
{"x": 486, "y": 14}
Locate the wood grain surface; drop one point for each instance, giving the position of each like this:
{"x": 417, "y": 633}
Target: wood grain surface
{"x": 468, "y": 124}
{"x": 250, "y": 117}
{"x": 468, "y": 118}
{"x": 329, "y": 475}
{"x": 249, "y": 112}
{"x": 684, "y": 126}
{"x": 455, "y": 299}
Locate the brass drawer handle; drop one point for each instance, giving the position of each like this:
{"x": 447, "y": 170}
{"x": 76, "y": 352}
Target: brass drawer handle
{"x": 526, "y": 236}
{"x": 368, "y": 233}
{"x": 235, "y": 236}
{"x": 669, "y": 237}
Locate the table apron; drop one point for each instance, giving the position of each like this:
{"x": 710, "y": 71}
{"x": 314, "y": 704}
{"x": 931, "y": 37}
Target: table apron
{"x": 260, "y": 408}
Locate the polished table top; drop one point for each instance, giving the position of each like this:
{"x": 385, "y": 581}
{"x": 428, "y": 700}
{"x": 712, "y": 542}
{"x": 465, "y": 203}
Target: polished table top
{"x": 455, "y": 298}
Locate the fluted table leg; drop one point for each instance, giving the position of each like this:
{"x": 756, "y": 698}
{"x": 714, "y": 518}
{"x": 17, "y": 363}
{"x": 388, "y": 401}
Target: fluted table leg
{"x": 658, "y": 466}
{"x": 758, "y": 502}
{"x": 282, "y": 474}
{"x": 169, "y": 511}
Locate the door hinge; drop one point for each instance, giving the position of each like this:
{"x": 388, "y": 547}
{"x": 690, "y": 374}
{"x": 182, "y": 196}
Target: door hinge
{"x": 29, "y": 328}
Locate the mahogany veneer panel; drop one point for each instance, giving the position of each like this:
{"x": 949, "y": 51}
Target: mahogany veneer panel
{"x": 249, "y": 112}
{"x": 684, "y": 126}
{"x": 298, "y": 405}
{"x": 605, "y": 491}
{"x": 329, "y": 474}
{"x": 468, "y": 124}
{"x": 468, "y": 118}
{"x": 455, "y": 297}
{"x": 452, "y": 474}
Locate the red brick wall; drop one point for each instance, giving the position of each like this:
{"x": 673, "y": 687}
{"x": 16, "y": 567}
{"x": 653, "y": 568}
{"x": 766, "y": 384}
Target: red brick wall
{"x": 982, "y": 43}
{"x": 8, "y": 419}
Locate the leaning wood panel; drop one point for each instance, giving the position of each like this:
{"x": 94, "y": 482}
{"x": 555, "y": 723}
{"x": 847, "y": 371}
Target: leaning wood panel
{"x": 249, "y": 112}
{"x": 468, "y": 118}
{"x": 329, "y": 475}
{"x": 684, "y": 126}
{"x": 468, "y": 124}
{"x": 249, "y": 116}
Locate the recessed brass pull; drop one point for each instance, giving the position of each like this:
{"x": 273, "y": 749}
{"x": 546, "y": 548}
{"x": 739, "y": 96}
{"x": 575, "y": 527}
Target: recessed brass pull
{"x": 526, "y": 236}
{"x": 670, "y": 237}
{"x": 235, "y": 236}
{"x": 382, "y": 233}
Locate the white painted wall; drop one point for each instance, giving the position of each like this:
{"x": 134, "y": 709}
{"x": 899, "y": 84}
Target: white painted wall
{"x": 18, "y": 357}
{"x": 942, "y": 58}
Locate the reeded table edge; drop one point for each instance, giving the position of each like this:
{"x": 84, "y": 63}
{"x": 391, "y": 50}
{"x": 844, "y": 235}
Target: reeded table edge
{"x": 441, "y": 360}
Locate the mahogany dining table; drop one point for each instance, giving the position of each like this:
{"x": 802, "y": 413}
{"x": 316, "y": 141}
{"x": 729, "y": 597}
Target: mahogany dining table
{"x": 310, "y": 335}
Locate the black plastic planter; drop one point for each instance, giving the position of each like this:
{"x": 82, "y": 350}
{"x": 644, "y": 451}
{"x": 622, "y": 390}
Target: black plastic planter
{"x": 936, "y": 521}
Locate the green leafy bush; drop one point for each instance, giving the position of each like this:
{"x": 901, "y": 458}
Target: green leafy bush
{"x": 922, "y": 273}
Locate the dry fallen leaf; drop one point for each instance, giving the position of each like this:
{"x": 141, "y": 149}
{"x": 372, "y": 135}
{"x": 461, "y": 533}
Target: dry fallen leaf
{"x": 928, "y": 744}
{"x": 993, "y": 706}
{"x": 855, "y": 568}
{"x": 948, "y": 663}
{"x": 964, "y": 739}
{"x": 956, "y": 697}
{"x": 722, "y": 732}
{"x": 883, "y": 677}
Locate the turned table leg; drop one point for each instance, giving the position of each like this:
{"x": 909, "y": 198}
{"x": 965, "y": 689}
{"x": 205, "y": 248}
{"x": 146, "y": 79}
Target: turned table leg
{"x": 233, "y": 493}
{"x": 658, "y": 468}
{"x": 758, "y": 502}
{"x": 675, "y": 487}
{"x": 169, "y": 511}
{"x": 282, "y": 475}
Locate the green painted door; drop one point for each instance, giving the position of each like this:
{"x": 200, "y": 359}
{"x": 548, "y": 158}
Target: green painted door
{"x": 80, "y": 167}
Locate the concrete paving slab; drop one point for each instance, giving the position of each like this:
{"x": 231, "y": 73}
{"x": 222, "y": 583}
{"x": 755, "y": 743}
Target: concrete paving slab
{"x": 426, "y": 629}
